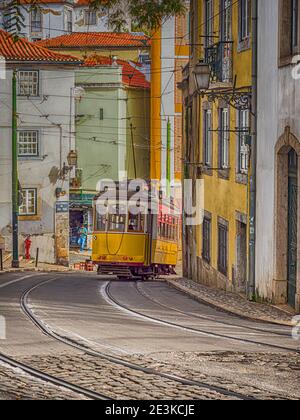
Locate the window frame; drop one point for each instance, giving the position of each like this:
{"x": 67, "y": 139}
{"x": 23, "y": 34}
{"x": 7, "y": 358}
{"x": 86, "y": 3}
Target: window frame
{"x": 37, "y": 85}
{"x": 29, "y": 214}
{"x": 225, "y": 13}
{"x": 209, "y": 23}
{"x": 29, "y": 155}
{"x": 243, "y": 130}
{"x": 295, "y": 33}
{"x": 69, "y": 14}
{"x": 224, "y": 138}
{"x": 208, "y": 139}
{"x": 38, "y": 12}
{"x": 244, "y": 20}
{"x": 87, "y": 17}
{"x": 223, "y": 254}
{"x": 206, "y": 239}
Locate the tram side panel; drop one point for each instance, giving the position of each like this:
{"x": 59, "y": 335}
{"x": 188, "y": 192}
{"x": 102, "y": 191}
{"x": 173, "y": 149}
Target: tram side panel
{"x": 131, "y": 249}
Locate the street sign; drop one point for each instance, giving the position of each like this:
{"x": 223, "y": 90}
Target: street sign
{"x": 62, "y": 207}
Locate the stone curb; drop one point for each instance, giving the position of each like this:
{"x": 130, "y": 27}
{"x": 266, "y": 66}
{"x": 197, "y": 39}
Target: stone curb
{"x": 218, "y": 305}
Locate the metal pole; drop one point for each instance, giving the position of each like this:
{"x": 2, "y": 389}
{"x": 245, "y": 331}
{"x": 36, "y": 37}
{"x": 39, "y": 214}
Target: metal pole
{"x": 15, "y": 181}
{"x": 133, "y": 151}
{"x": 1, "y": 259}
{"x": 169, "y": 157}
{"x": 37, "y": 257}
{"x": 252, "y": 216}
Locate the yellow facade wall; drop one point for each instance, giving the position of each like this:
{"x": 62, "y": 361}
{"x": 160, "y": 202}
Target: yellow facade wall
{"x": 224, "y": 197}
{"x": 127, "y": 55}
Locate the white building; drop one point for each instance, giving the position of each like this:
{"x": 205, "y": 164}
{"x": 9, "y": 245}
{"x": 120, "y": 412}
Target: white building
{"x": 58, "y": 18}
{"x": 45, "y": 112}
{"x": 278, "y": 182}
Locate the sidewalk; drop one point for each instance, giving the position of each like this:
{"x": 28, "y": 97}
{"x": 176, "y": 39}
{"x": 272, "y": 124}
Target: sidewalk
{"x": 30, "y": 266}
{"x": 232, "y": 303}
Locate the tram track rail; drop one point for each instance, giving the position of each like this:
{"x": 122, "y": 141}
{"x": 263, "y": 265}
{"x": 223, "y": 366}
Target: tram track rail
{"x": 194, "y": 330}
{"x": 46, "y": 330}
{"x": 206, "y": 318}
{"x": 50, "y": 379}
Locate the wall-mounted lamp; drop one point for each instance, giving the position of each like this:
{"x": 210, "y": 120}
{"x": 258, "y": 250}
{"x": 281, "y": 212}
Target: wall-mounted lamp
{"x": 72, "y": 163}
{"x": 202, "y": 76}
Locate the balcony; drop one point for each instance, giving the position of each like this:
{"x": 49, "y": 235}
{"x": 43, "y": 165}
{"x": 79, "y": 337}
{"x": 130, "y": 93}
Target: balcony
{"x": 220, "y": 59}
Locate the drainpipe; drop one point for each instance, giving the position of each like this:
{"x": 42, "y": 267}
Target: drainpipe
{"x": 252, "y": 216}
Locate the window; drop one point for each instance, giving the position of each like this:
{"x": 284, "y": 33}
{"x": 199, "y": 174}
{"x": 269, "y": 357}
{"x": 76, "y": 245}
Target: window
{"x": 101, "y": 222}
{"x": 289, "y": 41}
{"x": 90, "y": 18}
{"x": 243, "y": 131}
{"x": 225, "y": 19}
{"x": 28, "y": 142}
{"x": 36, "y": 20}
{"x": 69, "y": 20}
{"x": 206, "y": 240}
{"x": 136, "y": 222}
{"x": 223, "y": 248}
{"x": 101, "y": 114}
{"x": 28, "y": 83}
{"x": 208, "y": 138}
{"x": 209, "y": 23}
{"x": 117, "y": 218}
{"x": 29, "y": 202}
{"x": 224, "y": 137}
{"x": 244, "y": 20}
{"x": 295, "y": 24}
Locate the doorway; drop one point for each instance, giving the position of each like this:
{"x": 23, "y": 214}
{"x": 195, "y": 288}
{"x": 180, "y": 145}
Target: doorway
{"x": 292, "y": 226}
{"x": 241, "y": 259}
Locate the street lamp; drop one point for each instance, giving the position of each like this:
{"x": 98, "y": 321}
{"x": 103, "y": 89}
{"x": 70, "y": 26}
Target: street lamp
{"x": 72, "y": 163}
{"x": 72, "y": 158}
{"x": 202, "y": 75}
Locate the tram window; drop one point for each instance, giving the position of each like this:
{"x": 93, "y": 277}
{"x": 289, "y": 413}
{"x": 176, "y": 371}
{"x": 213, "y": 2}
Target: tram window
{"x": 101, "y": 221}
{"x": 117, "y": 223}
{"x": 117, "y": 219}
{"x": 136, "y": 223}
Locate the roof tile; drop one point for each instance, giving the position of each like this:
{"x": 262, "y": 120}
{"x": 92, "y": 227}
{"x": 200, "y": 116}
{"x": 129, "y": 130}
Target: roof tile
{"x": 132, "y": 76}
{"x": 23, "y": 50}
{"x": 97, "y": 40}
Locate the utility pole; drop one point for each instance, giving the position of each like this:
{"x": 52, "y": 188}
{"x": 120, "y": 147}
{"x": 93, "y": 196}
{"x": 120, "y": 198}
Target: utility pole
{"x": 169, "y": 157}
{"x": 133, "y": 151}
{"x": 15, "y": 180}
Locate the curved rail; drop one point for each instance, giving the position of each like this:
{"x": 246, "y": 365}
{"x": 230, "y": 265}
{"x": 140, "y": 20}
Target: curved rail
{"x": 195, "y": 330}
{"x": 36, "y": 373}
{"x": 206, "y": 318}
{"x": 117, "y": 360}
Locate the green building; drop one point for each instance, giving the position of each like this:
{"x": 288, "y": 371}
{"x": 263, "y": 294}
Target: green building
{"x": 112, "y": 130}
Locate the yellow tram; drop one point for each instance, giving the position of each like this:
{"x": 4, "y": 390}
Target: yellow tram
{"x": 135, "y": 234}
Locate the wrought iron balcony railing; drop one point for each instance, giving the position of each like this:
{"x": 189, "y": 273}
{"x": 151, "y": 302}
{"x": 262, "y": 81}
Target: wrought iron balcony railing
{"x": 220, "y": 59}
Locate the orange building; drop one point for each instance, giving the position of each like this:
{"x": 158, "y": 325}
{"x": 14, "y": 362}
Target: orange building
{"x": 170, "y": 54}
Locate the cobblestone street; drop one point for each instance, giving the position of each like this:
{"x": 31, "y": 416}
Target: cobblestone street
{"x": 273, "y": 376}
{"x": 151, "y": 342}
{"x": 16, "y": 385}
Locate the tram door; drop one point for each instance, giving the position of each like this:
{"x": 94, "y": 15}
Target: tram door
{"x": 292, "y": 226}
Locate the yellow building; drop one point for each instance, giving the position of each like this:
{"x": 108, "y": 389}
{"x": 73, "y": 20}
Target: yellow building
{"x": 216, "y": 141}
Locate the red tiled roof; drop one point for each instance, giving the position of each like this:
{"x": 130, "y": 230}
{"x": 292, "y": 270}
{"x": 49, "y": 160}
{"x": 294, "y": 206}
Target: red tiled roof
{"x": 131, "y": 75}
{"x": 23, "y": 50}
{"x": 97, "y": 40}
{"x": 76, "y": 3}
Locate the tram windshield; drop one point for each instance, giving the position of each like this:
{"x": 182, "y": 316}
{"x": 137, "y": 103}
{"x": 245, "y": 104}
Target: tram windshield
{"x": 121, "y": 219}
